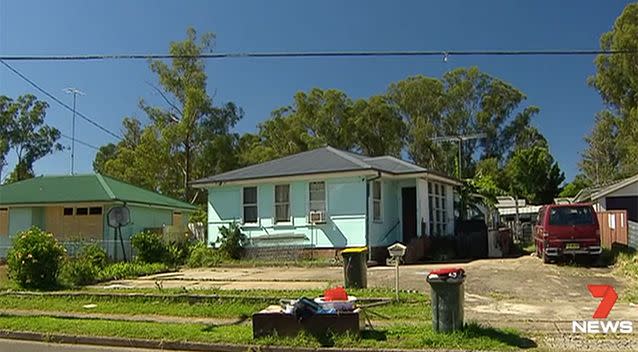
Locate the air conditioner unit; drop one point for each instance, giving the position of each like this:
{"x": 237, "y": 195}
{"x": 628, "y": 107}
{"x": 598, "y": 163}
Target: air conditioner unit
{"x": 317, "y": 217}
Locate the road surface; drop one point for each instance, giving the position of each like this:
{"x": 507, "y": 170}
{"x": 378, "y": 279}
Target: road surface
{"x": 29, "y": 346}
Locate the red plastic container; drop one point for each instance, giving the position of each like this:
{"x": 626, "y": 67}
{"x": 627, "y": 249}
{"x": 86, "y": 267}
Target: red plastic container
{"x": 335, "y": 294}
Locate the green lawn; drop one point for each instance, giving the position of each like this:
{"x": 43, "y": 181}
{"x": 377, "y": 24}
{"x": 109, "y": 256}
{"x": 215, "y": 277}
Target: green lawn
{"x": 396, "y": 336}
{"x": 626, "y": 265}
{"x": 5, "y": 283}
{"x": 413, "y": 308}
{"x": 134, "y": 306}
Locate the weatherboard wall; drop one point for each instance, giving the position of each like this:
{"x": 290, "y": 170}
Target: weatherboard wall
{"x": 345, "y": 214}
{"x": 387, "y": 230}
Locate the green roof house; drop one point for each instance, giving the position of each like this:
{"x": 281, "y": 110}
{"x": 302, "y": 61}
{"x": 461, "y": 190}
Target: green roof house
{"x": 75, "y": 208}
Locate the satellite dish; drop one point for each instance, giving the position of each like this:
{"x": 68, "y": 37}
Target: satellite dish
{"x": 119, "y": 216}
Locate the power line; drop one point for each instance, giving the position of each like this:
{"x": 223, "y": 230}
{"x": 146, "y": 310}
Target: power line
{"x": 310, "y": 54}
{"x": 79, "y": 142}
{"x": 36, "y": 86}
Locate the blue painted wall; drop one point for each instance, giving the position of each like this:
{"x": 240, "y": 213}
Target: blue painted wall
{"x": 345, "y": 213}
{"x": 388, "y": 230}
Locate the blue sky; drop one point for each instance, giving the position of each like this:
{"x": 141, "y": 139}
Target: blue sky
{"x": 113, "y": 88}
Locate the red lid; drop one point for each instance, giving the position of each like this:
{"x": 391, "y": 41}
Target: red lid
{"x": 447, "y": 271}
{"x": 335, "y": 294}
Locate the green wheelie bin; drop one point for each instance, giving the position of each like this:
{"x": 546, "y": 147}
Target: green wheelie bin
{"x": 447, "y": 298}
{"x": 355, "y": 271}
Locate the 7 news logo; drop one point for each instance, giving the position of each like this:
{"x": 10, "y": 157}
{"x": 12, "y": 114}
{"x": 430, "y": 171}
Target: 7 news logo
{"x": 608, "y": 298}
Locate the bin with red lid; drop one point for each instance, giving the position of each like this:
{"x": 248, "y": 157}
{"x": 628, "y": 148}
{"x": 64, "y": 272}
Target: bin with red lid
{"x": 446, "y": 288}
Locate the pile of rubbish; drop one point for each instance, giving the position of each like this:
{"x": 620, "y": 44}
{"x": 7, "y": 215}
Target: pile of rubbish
{"x": 334, "y": 301}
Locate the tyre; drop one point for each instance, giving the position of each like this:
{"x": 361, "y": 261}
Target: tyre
{"x": 546, "y": 259}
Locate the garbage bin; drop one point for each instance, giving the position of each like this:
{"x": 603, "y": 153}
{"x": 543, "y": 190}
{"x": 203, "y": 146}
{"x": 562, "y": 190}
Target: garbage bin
{"x": 355, "y": 271}
{"x": 447, "y": 298}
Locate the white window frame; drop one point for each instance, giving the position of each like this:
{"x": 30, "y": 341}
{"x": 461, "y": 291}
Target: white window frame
{"x": 275, "y": 204}
{"x": 438, "y": 226}
{"x": 380, "y": 201}
{"x": 244, "y": 205}
{"x": 325, "y": 197}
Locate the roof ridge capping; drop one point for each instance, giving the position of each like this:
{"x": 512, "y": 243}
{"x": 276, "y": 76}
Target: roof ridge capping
{"x": 610, "y": 188}
{"x": 345, "y": 155}
{"x": 399, "y": 160}
{"x": 105, "y": 185}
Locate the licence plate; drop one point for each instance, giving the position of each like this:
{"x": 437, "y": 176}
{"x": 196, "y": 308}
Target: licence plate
{"x": 572, "y": 246}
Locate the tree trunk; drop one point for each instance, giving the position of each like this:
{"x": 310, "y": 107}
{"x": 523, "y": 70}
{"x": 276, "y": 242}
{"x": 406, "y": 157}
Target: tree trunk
{"x": 187, "y": 175}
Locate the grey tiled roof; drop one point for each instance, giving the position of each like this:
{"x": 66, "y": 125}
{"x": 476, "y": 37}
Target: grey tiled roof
{"x": 321, "y": 160}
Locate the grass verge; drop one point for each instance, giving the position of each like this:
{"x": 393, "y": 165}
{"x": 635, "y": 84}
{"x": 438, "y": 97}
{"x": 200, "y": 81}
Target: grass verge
{"x": 626, "y": 265}
{"x": 235, "y": 304}
{"x": 398, "y": 336}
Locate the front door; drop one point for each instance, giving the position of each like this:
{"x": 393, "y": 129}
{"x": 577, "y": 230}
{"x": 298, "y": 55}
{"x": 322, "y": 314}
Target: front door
{"x": 408, "y": 208}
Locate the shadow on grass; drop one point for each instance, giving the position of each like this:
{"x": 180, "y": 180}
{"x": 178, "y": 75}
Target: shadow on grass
{"x": 239, "y": 321}
{"x": 377, "y": 335}
{"x": 510, "y": 338}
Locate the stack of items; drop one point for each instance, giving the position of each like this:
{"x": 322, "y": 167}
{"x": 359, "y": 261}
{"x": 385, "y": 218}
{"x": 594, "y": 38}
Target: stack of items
{"x": 334, "y": 311}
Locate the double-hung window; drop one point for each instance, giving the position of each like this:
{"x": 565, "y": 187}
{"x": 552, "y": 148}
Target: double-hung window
{"x": 282, "y": 203}
{"x": 317, "y": 197}
{"x": 249, "y": 205}
{"x": 376, "y": 200}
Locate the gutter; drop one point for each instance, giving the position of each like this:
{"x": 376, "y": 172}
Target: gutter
{"x": 368, "y": 180}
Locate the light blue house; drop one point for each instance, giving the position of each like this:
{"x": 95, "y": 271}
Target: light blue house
{"x": 331, "y": 199}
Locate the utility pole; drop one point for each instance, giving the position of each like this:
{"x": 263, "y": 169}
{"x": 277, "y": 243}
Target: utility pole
{"x": 460, "y": 140}
{"x": 75, "y": 93}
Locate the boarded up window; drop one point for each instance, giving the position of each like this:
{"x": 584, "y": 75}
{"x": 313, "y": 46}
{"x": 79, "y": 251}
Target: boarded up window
{"x": 4, "y": 222}
{"x": 69, "y": 223}
{"x": 177, "y": 219}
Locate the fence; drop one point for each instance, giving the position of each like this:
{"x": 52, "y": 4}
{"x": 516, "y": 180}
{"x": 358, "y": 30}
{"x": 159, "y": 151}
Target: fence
{"x": 614, "y": 228}
{"x": 111, "y": 247}
{"x": 632, "y": 236}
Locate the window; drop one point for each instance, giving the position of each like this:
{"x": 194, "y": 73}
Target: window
{"x": 438, "y": 209}
{"x": 317, "y": 191}
{"x": 282, "y": 203}
{"x": 81, "y": 211}
{"x": 95, "y": 211}
{"x": 376, "y": 200}
{"x": 68, "y": 211}
{"x": 573, "y": 215}
{"x": 249, "y": 205}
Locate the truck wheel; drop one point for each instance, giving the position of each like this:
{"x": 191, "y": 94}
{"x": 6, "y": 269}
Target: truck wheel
{"x": 546, "y": 259}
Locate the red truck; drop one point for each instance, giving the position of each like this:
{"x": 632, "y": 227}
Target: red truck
{"x": 567, "y": 229}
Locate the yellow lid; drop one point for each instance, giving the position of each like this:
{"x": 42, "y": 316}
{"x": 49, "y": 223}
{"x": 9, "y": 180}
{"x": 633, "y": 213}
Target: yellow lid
{"x": 355, "y": 250}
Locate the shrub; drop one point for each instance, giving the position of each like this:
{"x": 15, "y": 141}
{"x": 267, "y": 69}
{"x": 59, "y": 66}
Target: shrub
{"x": 179, "y": 249}
{"x": 150, "y": 247}
{"x": 231, "y": 241}
{"x": 96, "y": 255}
{"x": 79, "y": 272}
{"x": 35, "y": 258}
{"x": 203, "y": 256}
{"x": 124, "y": 270}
